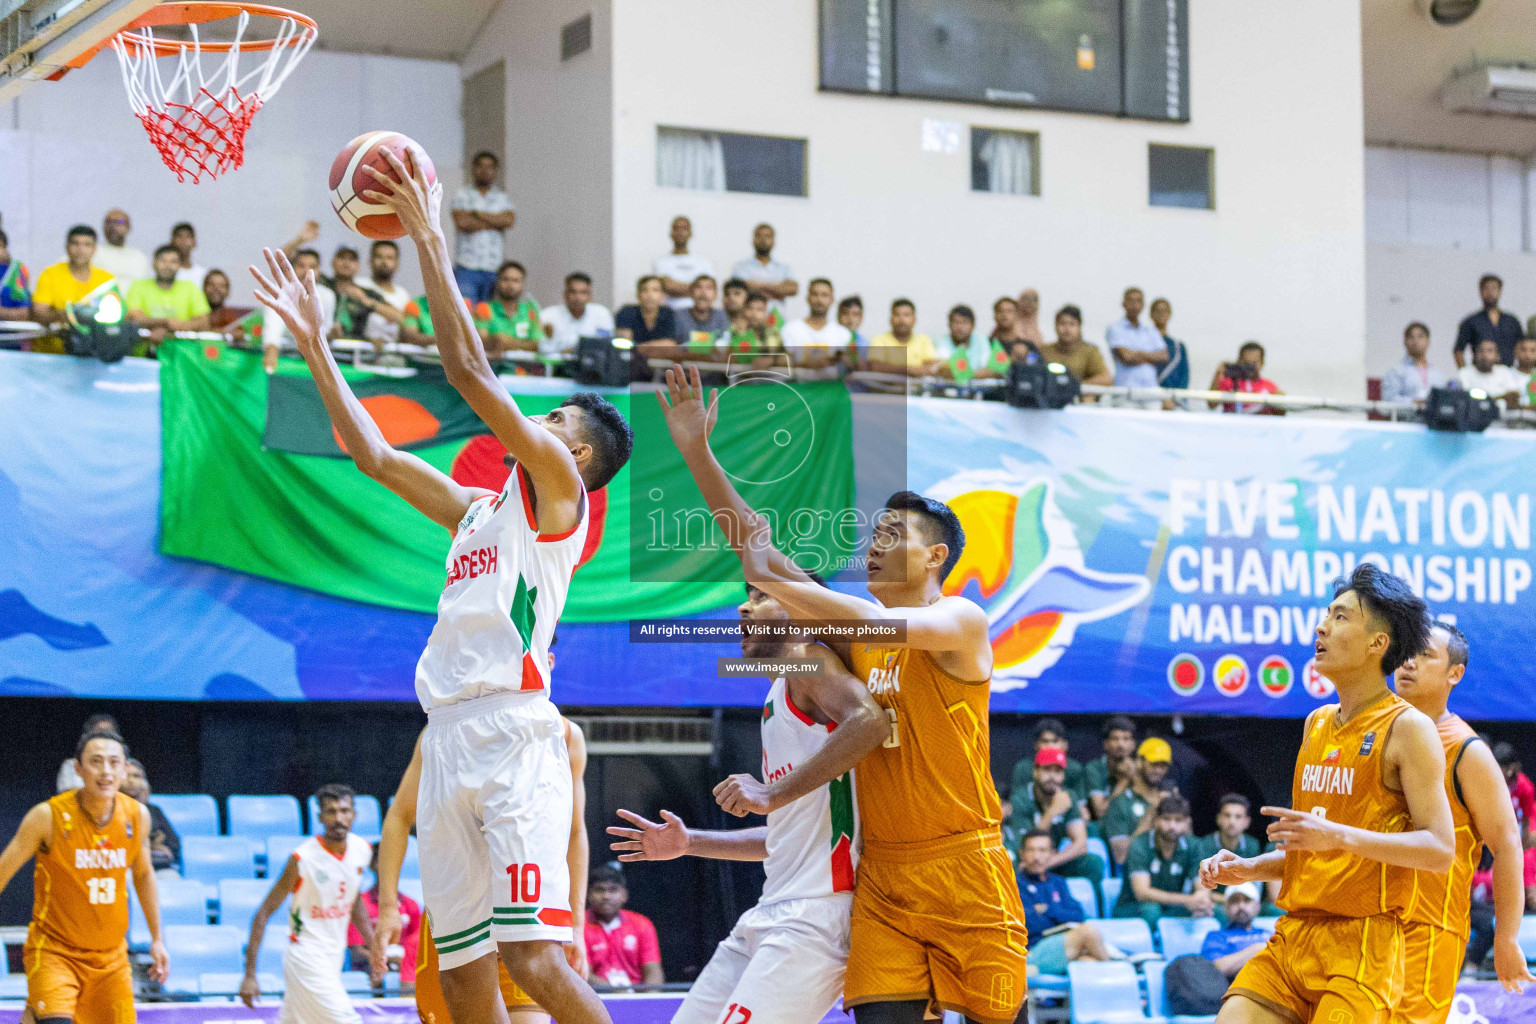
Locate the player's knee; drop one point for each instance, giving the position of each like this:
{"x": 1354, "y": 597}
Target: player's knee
{"x": 530, "y": 961}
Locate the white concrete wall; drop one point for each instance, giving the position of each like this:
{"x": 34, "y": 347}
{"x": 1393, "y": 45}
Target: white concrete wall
{"x": 70, "y": 150}
{"x": 1274, "y": 88}
{"x": 559, "y": 159}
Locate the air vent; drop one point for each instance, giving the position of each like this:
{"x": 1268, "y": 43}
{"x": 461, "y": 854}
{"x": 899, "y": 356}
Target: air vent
{"x": 649, "y": 736}
{"x": 576, "y": 38}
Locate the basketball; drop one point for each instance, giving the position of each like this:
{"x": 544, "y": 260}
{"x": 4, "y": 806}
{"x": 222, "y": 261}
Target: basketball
{"x": 348, "y": 182}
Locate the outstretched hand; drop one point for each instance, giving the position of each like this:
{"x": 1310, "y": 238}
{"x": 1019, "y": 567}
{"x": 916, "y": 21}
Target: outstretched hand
{"x": 292, "y": 298}
{"x": 650, "y": 840}
{"x": 689, "y": 419}
{"x": 418, "y": 204}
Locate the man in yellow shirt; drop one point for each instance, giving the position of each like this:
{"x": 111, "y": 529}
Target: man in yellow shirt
{"x": 886, "y": 350}
{"x": 66, "y": 283}
{"x": 164, "y": 303}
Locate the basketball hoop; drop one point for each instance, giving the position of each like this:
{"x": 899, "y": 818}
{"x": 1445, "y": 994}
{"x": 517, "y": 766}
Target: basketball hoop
{"x": 197, "y": 116}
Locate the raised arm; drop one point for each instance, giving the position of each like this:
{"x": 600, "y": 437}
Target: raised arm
{"x": 1482, "y": 789}
{"x": 577, "y": 854}
{"x": 547, "y": 460}
{"x": 669, "y": 839}
{"x": 394, "y": 839}
{"x": 281, "y": 889}
{"x": 149, "y": 899}
{"x": 430, "y": 491}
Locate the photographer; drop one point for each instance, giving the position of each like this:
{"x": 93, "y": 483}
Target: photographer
{"x": 1246, "y": 376}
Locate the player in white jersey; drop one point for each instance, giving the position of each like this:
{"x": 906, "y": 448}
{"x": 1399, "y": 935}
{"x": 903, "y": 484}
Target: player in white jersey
{"x": 323, "y": 877}
{"x": 783, "y": 963}
{"x": 494, "y": 807}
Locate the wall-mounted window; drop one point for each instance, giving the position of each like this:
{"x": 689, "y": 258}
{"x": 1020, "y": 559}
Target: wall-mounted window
{"x": 1006, "y": 162}
{"x": 730, "y": 162}
{"x": 1181, "y": 176}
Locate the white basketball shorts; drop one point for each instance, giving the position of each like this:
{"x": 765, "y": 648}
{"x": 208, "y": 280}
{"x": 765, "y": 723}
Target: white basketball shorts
{"x": 493, "y": 817}
{"x": 313, "y": 992}
{"x": 781, "y": 964}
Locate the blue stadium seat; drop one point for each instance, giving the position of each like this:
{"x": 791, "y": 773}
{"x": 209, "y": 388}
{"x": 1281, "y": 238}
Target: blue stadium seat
{"x": 1157, "y": 996}
{"x": 1098, "y": 846}
{"x": 1128, "y": 934}
{"x": 367, "y": 823}
{"x": 13, "y": 986}
{"x": 211, "y": 858}
{"x": 411, "y": 866}
{"x": 262, "y": 816}
{"x": 227, "y": 983}
{"x": 1082, "y": 891}
{"x": 392, "y": 983}
{"x": 1110, "y": 887}
{"x": 273, "y": 942}
{"x": 190, "y": 814}
{"x": 279, "y": 849}
{"x": 239, "y": 898}
{"x": 198, "y": 949}
{"x": 181, "y": 902}
{"x": 411, "y": 887}
{"x": 1266, "y": 923}
{"x": 1181, "y": 935}
{"x": 1527, "y": 937}
{"x": 356, "y": 982}
{"x": 1105, "y": 993}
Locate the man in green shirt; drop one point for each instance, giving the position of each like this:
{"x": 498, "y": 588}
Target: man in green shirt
{"x": 510, "y": 320}
{"x": 1163, "y": 869}
{"x": 1050, "y": 732}
{"x": 163, "y": 304}
{"x": 1044, "y": 803}
{"x": 1118, "y": 737}
{"x": 1234, "y": 815}
{"x": 1130, "y": 814}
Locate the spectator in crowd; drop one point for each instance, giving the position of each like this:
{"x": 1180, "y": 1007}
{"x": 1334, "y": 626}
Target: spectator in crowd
{"x": 815, "y": 342}
{"x": 481, "y": 212}
{"x": 1246, "y": 377}
{"x": 15, "y": 290}
{"x": 68, "y": 777}
{"x": 766, "y": 276}
{"x": 273, "y": 331}
{"x": 1490, "y": 376}
{"x": 579, "y": 317}
{"x": 383, "y": 323}
{"x": 307, "y": 233}
{"x": 1082, "y": 359}
{"x": 1130, "y": 814}
{"x": 114, "y": 254}
{"x": 1118, "y": 738}
{"x": 1522, "y": 793}
{"x": 1492, "y": 322}
{"x": 680, "y": 269}
{"x": 739, "y": 336}
{"x": 1138, "y": 347}
{"x": 509, "y": 321}
{"x": 1058, "y": 933}
{"x": 762, "y": 335}
{"x": 1234, "y": 945}
{"x": 1162, "y": 869}
{"x": 184, "y": 240}
{"x": 850, "y": 314}
{"x": 1233, "y": 816}
{"x": 64, "y": 284}
{"x": 216, "y": 292}
{"x": 1175, "y": 372}
{"x": 1412, "y": 379}
{"x": 621, "y": 945}
{"x": 1044, "y": 803}
{"x": 166, "y": 302}
{"x": 1481, "y": 914}
{"x": 1027, "y": 322}
{"x": 164, "y": 843}
{"x": 1005, "y": 323}
{"x": 1051, "y": 733}
{"x": 648, "y": 318}
{"x": 699, "y": 323}
{"x": 352, "y": 300}
{"x": 901, "y": 349}
{"x": 410, "y": 928}
{"x": 966, "y": 354}
{"x": 1525, "y": 368}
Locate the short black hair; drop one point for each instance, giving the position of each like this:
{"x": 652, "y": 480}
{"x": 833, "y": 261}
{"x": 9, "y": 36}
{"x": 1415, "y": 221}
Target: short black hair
{"x": 1116, "y": 723}
{"x": 215, "y": 271}
{"x": 1421, "y": 325}
{"x": 383, "y": 243}
{"x": 486, "y": 154}
{"x": 344, "y": 250}
{"x": 1005, "y": 300}
{"x": 1457, "y": 651}
{"x": 183, "y": 226}
{"x": 1046, "y": 725}
{"x": 813, "y": 282}
{"x": 1234, "y": 798}
{"x": 334, "y": 792}
{"x": 1505, "y": 754}
{"x": 606, "y": 874}
{"x": 816, "y": 578}
{"x": 1389, "y": 599}
{"x": 80, "y": 229}
{"x": 755, "y": 297}
{"x": 511, "y": 263}
{"x": 1172, "y": 806}
{"x": 161, "y": 250}
{"x": 578, "y": 275}
{"x": 99, "y": 734}
{"x": 734, "y": 282}
{"x": 98, "y": 722}
{"x": 1495, "y": 278}
{"x": 4, "y": 238}
{"x": 903, "y": 302}
{"x": 646, "y": 277}
{"x": 850, "y": 302}
{"x": 1037, "y": 833}
{"x": 1247, "y": 345}
{"x": 1162, "y": 300}
{"x": 308, "y": 252}
{"x": 610, "y": 435}
{"x": 942, "y": 525}
{"x": 710, "y": 278}
{"x": 1071, "y": 311}
{"x": 965, "y": 311}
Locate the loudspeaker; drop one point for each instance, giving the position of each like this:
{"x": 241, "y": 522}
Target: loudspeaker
{"x": 1459, "y": 410}
{"x": 1040, "y": 385}
{"x": 604, "y": 361}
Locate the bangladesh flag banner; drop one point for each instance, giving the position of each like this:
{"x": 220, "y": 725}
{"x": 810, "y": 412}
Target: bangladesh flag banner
{"x": 255, "y": 479}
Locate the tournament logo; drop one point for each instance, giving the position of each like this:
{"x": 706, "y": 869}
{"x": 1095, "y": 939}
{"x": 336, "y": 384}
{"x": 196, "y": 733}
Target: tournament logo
{"x": 1314, "y": 682}
{"x": 1186, "y": 674}
{"x": 1022, "y": 563}
{"x": 1231, "y": 675}
{"x": 1367, "y": 743}
{"x": 1276, "y": 676}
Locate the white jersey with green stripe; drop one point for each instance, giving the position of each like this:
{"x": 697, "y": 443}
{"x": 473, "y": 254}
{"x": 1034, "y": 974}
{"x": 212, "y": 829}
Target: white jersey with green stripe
{"x": 813, "y": 843}
{"x": 321, "y": 908}
{"x": 506, "y": 587}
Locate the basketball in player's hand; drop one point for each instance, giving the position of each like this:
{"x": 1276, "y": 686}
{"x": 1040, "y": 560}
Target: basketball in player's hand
{"x": 349, "y": 181}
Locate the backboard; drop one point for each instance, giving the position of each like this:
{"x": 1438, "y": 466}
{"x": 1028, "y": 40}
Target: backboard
{"x": 38, "y": 38}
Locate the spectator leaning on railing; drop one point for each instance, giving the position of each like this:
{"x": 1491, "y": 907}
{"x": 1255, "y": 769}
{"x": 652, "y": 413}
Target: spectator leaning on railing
{"x": 1412, "y": 378}
{"x": 966, "y": 354}
{"x": 1082, "y": 359}
{"x": 64, "y": 284}
{"x": 816, "y": 341}
{"x": 578, "y": 317}
{"x": 1525, "y": 367}
{"x": 902, "y": 349}
{"x": 383, "y": 323}
{"x": 1488, "y": 375}
{"x": 15, "y": 293}
{"x": 1246, "y": 376}
{"x": 1489, "y": 322}
{"x": 850, "y": 314}
{"x": 699, "y": 324}
{"x": 165, "y": 302}
{"x": 1005, "y": 322}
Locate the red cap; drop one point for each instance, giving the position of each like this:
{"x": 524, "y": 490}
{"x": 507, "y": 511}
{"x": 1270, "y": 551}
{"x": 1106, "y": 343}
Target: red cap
{"x": 1051, "y": 756}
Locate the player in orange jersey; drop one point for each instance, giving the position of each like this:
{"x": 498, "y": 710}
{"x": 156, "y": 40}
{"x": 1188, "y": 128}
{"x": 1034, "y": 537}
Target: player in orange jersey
{"x": 1369, "y": 810}
{"x": 937, "y": 922}
{"x": 1435, "y": 937}
{"x": 86, "y": 841}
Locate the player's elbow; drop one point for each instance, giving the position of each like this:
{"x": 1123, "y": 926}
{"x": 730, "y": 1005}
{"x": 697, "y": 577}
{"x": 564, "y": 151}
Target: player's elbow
{"x": 870, "y": 724}
{"x": 1442, "y": 853}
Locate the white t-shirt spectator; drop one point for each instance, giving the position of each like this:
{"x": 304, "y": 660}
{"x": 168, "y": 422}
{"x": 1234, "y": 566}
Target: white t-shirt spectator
{"x": 378, "y": 328}
{"x": 1497, "y": 382}
{"x": 274, "y": 331}
{"x": 801, "y": 335}
{"x": 194, "y": 273}
{"x": 595, "y": 322}
{"x": 480, "y": 250}
{"x": 1142, "y": 337}
{"x": 772, "y": 272}
{"x": 124, "y": 263}
{"x": 684, "y": 268}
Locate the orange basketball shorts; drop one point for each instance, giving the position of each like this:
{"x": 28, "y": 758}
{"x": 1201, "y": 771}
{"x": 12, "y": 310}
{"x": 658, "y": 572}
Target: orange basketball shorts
{"x": 939, "y": 921}
{"x": 1338, "y": 970}
{"x": 85, "y": 984}
{"x": 1431, "y": 966}
{"x": 429, "y": 990}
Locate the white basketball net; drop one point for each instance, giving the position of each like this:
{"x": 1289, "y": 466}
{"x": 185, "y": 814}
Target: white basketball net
{"x": 197, "y": 116}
